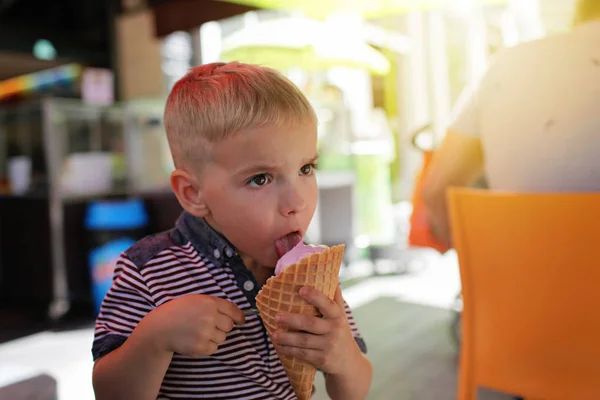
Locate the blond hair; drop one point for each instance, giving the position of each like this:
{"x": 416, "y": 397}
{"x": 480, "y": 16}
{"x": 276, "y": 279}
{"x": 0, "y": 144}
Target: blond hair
{"x": 214, "y": 101}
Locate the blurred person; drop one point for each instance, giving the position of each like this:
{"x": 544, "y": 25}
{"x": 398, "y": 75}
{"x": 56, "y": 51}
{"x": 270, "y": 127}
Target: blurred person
{"x": 243, "y": 139}
{"x": 530, "y": 124}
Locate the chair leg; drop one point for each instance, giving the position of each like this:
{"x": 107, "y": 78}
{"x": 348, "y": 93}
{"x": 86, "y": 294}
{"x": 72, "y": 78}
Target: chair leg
{"x": 467, "y": 393}
{"x": 467, "y": 382}
{"x": 467, "y": 390}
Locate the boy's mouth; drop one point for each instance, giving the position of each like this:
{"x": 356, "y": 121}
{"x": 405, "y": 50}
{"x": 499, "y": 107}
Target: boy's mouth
{"x": 286, "y": 243}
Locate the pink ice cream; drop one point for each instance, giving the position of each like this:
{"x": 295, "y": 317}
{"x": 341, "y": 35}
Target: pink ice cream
{"x": 297, "y": 253}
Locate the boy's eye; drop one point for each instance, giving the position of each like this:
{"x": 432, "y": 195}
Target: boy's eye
{"x": 307, "y": 169}
{"x": 258, "y": 180}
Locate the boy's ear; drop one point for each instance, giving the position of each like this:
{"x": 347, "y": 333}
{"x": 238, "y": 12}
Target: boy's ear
{"x": 187, "y": 189}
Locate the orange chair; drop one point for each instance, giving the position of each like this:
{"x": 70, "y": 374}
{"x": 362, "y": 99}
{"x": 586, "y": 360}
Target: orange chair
{"x": 531, "y": 291}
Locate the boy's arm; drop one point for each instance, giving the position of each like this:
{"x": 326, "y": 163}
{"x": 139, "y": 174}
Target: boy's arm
{"x": 135, "y": 340}
{"x": 129, "y": 362}
{"x": 354, "y": 384}
{"x": 133, "y": 371}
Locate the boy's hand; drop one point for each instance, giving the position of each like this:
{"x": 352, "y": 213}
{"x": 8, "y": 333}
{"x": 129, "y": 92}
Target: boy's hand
{"x": 194, "y": 325}
{"x": 327, "y": 343}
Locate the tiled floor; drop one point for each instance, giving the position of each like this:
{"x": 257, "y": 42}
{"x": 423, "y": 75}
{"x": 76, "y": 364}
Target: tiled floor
{"x": 405, "y": 320}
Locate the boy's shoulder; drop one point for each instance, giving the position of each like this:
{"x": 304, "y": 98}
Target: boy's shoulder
{"x": 144, "y": 250}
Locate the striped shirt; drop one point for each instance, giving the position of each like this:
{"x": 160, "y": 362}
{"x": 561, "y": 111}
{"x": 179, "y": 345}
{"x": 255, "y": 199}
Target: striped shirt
{"x": 194, "y": 259}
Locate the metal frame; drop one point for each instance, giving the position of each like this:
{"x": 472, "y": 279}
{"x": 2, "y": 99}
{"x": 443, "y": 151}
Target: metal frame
{"x": 53, "y": 149}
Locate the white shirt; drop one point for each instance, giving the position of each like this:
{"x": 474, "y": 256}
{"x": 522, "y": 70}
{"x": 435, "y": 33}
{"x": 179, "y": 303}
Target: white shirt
{"x": 537, "y": 112}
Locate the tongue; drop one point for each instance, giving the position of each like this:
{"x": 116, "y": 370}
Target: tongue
{"x": 287, "y": 243}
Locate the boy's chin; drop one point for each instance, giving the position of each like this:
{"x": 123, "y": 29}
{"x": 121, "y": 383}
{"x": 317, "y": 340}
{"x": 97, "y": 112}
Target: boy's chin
{"x": 268, "y": 261}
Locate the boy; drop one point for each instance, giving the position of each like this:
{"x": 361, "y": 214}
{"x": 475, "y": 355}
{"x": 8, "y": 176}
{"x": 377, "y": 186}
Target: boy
{"x": 243, "y": 139}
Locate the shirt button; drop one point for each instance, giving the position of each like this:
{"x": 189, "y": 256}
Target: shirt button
{"x": 228, "y": 252}
{"x": 248, "y": 286}
{"x": 217, "y": 253}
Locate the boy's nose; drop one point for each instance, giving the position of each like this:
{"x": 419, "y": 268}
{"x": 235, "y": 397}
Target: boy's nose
{"x": 292, "y": 202}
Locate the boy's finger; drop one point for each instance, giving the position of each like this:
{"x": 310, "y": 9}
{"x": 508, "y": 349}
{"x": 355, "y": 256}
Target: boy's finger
{"x": 224, "y": 323}
{"x": 300, "y": 339}
{"x": 338, "y": 297}
{"x": 328, "y": 308}
{"x": 231, "y": 310}
{"x": 314, "y": 357}
{"x": 303, "y": 322}
{"x": 219, "y": 336}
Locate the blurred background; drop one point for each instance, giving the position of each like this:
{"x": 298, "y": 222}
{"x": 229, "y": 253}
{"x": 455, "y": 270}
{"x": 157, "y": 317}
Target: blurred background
{"x": 84, "y": 162}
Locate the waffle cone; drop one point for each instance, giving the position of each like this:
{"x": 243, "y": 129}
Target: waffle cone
{"x": 280, "y": 295}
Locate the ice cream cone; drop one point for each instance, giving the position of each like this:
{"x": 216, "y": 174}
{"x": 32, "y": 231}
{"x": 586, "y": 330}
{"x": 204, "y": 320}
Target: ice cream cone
{"x": 280, "y": 295}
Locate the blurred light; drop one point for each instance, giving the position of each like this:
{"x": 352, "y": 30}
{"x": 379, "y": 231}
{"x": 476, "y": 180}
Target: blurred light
{"x": 251, "y": 19}
{"x": 362, "y": 242}
{"x": 424, "y": 141}
{"x": 528, "y": 19}
{"x": 462, "y": 8}
{"x": 210, "y": 42}
{"x": 298, "y": 76}
{"x": 178, "y": 46}
{"x": 44, "y": 50}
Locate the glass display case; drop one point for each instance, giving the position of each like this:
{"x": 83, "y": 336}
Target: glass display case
{"x": 77, "y": 153}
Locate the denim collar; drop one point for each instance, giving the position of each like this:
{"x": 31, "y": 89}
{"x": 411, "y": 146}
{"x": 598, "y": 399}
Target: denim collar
{"x": 208, "y": 242}
{"x": 219, "y": 252}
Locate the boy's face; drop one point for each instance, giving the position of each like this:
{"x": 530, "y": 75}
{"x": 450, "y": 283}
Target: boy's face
{"x": 261, "y": 189}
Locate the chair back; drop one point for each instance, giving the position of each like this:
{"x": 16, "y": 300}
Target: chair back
{"x": 531, "y": 292}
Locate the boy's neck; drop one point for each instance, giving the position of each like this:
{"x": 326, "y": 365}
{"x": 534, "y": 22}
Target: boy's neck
{"x": 260, "y": 272}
